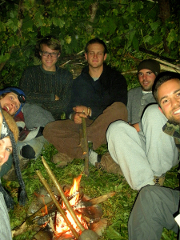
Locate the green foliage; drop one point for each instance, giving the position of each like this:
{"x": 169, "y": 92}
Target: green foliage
{"x": 125, "y": 25}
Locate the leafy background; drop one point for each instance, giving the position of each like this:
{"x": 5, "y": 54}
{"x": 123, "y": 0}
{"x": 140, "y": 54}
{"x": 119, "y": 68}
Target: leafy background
{"x": 132, "y": 29}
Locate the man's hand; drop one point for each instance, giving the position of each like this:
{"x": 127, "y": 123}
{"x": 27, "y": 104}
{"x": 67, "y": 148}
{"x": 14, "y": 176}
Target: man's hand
{"x": 136, "y": 126}
{"x": 81, "y": 112}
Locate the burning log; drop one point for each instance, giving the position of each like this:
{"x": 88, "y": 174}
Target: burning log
{"x": 32, "y": 221}
{"x": 61, "y": 192}
{"x": 86, "y": 234}
{"x": 95, "y": 201}
{"x": 56, "y": 203}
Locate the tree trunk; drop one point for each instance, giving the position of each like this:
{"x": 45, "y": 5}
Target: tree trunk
{"x": 165, "y": 13}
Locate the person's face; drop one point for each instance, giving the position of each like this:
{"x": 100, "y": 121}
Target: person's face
{"x": 168, "y": 95}
{"x": 49, "y": 57}
{"x": 5, "y": 150}
{"x": 95, "y": 55}
{"x": 146, "y": 79}
{"x": 10, "y": 103}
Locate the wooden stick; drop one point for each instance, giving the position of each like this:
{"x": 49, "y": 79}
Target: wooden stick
{"x": 167, "y": 63}
{"x": 61, "y": 192}
{"x": 57, "y": 203}
{"x": 85, "y": 146}
{"x": 102, "y": 198}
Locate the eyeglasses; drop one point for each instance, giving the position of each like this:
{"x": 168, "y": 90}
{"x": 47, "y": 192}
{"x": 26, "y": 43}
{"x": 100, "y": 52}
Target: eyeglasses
{"x": 53, "y": 54}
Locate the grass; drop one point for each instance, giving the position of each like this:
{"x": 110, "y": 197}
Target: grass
{"x": 116, "y": 209}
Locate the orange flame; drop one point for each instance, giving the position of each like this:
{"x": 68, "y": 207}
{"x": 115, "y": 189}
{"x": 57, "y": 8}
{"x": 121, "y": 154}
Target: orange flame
{"x": 61, "y": 226}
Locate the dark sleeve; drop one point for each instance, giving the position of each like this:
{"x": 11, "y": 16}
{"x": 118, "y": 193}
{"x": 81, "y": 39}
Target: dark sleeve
{"x": 76, "y": 95}
{"x": 118, "y": 88}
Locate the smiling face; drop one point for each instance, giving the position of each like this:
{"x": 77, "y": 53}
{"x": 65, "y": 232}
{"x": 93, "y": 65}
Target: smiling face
{"x": 146, "y": 79}
{"x": 168, "y": 96}
{"x": 95, "y": 55}
{"x": 10, "y": 103}
{"x": 5, "y": 150}
{"x": 49, "y": 60}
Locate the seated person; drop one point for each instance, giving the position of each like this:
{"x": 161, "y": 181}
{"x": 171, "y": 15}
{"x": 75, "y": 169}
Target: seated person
{"x": 144, "y": 156}
{"x": 99, "y": 95}
{"x": 48, "y": 85}
{"x": 156, "y": 207}
{"x": 31, "y": 120}
{"x": 138, "y": 99}
{"x": 8, "y": 137}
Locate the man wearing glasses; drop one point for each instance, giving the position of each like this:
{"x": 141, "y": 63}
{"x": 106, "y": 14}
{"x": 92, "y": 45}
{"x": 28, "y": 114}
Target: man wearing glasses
{"x": 48, "y": 85}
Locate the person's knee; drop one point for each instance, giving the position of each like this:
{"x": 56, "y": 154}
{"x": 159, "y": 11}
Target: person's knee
{"x": 27, "y": 152}
{"x": 117, "y": 128}
{"x": 152, "y": 115}
{"x": 118, "y": 105}
{"x": 151, "y": 111}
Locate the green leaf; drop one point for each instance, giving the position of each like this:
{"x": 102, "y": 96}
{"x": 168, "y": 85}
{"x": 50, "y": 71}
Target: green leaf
{"x": 147, "y": 39}
{"x": 4, "y": 58}
{"x": 27, "y": 24}
{"x": 58, "y": 22}
{"x": 154, "y": 25}
{"x": 45, "y": 31}
{"x": 172, "y": 36}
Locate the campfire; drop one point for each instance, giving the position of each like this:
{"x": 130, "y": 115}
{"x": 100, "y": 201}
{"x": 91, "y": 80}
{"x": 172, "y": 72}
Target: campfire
{"x": 68, "y": 215}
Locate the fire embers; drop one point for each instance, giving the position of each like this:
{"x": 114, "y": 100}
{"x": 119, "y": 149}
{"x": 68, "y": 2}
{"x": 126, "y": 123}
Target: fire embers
{"x": 52, "y": 224}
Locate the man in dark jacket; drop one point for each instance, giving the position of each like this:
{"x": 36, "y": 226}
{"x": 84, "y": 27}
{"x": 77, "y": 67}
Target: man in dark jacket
{"x": 99, "y": 94}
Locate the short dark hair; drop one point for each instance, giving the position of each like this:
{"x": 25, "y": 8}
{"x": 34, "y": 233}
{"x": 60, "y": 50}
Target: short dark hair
{"x": 51, "y": 42}
{"x": 96, "y": 40}
{"x": 162, "y": 78}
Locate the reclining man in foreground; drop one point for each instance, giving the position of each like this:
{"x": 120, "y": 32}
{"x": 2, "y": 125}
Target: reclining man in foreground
{"x": 156, "y": 207}
{"x": 146, "y": 154}
{"x": 99, "y": 94}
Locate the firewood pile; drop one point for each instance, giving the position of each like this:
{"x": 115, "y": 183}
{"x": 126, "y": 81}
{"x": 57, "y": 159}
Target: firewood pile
{"x": 61, "y": 213}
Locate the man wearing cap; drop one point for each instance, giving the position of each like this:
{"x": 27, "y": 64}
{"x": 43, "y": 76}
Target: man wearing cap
{"x": 143, "y": 151}
{"x": 140, "y": 97}
{"x": 31, "y": 120}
